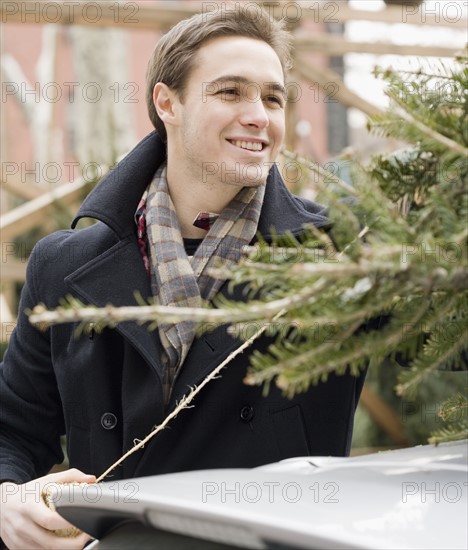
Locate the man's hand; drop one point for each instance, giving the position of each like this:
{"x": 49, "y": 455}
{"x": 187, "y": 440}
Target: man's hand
{"x": 25, "y": 520}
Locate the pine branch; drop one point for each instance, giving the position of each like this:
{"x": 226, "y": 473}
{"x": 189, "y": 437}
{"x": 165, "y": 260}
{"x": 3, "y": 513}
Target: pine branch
{"x": 110, "y": 316}
{"x": 431, "y": 364}
{"x": 445, "y": 435}
{"x": 454, "y": 408}
{"x": 317, "y": 169}
{"x": 432, "y": 134}
{"x": 317, "y": 362}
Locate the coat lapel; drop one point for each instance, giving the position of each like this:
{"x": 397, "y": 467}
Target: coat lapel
{"x": 207, "y": 352}
{"x": 113, "y": 278}
{"x": 115, "y": 275}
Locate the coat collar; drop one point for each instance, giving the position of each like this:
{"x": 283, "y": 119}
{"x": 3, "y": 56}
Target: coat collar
{"x": 115, "y": 199}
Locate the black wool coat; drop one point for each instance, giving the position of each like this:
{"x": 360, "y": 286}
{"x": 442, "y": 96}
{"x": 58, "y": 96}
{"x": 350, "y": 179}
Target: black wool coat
{"x": 104, "y": 390}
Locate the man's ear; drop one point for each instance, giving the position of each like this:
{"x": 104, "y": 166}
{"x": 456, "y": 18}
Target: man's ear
{"x": 165, "y": 102}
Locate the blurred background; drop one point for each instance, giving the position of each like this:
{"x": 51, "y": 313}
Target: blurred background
{"x": 73, "y": 87}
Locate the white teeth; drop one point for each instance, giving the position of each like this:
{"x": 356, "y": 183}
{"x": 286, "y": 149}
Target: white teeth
{"x": 250, "y": 145}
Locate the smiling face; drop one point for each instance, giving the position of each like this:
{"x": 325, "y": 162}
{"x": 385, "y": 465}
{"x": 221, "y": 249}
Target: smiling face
{"x": 229, "y": 126}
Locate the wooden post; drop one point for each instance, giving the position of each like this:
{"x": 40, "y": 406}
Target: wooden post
{"x": 343, "y": 94}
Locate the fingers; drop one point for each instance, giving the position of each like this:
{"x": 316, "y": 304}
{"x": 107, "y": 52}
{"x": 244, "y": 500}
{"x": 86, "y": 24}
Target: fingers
{"x": 40, "y": 539}
{"x": 45, "y": 515}
{"x": 24, "y": 534}
{"x": 47, "y": 518}
{"x": 69, "y": 476}
{"x": 27, "y": 522}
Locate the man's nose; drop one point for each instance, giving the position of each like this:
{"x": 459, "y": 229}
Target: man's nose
{"x": 254, "y": 113}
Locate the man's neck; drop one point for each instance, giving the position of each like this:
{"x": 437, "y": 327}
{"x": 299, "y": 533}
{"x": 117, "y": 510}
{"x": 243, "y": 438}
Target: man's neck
{"x": 191, "y": 196}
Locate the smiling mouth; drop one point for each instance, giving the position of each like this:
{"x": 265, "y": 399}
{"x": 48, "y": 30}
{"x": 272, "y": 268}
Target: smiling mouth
{"x": 248, "y": 145}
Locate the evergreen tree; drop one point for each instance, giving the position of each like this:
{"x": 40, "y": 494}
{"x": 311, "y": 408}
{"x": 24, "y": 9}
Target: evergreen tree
{"x": 399, "y": 289}
{"x": 389, "y": 280}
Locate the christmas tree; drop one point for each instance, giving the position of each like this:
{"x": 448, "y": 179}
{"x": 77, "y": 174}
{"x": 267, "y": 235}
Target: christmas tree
{"x": 388, "y": 280}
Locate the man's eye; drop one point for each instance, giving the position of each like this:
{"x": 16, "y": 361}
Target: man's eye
{"x": 275, "y": 99}
{"x": 229, "y": 91}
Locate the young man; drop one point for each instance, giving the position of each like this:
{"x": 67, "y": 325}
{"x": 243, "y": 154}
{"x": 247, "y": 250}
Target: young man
{"x": 187, "y": 197}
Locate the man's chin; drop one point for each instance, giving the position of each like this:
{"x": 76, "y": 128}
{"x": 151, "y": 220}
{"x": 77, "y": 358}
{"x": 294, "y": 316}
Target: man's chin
{"x": 240, "y": 182}
{"x": 241, "y": 174}
{"x": 246, "y": 175}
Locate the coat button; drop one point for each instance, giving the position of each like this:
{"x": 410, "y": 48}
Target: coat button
{"x": 246, "y": 413}
{"x": 108, "y": 421}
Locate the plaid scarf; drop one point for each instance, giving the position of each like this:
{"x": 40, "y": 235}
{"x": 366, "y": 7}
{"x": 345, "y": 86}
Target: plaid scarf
{"x": 176, "y": 279}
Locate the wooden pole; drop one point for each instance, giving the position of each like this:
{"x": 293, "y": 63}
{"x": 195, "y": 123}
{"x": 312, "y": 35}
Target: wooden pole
{"x": 162, "y": 15}
{"x": 337, "y": 45}
{"x": 323, "y": 77}
{"x": 24, "y": 189}
{"x": 13, "y": 271}
{"x": 32, "y": 213}
{"x": 340, "y": 12}
{"x": 384, "y": 416}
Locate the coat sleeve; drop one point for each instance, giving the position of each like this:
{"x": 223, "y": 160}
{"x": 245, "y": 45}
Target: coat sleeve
{"x": 31, "y": 419}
